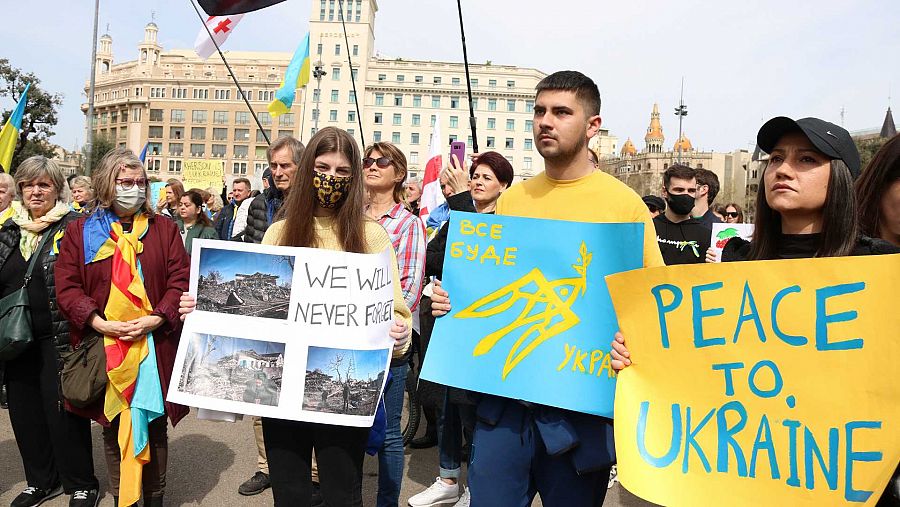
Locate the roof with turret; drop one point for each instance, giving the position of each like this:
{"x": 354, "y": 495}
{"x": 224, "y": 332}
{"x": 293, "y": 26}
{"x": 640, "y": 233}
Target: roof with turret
{"x": 654, "y": 131}
{"x": 888, "y": 129}
{"x": 628, "y": 148}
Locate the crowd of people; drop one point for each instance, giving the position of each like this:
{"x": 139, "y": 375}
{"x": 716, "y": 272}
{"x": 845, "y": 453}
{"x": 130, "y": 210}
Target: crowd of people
{"x": 92, "y": 238}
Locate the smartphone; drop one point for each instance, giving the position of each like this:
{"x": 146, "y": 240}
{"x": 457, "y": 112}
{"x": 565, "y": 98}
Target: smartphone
{"x": 458, "y": 148}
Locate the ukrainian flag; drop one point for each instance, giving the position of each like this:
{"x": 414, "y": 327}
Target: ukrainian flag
{"x": 10, "y": 132}
{"x": 296, "y": 76}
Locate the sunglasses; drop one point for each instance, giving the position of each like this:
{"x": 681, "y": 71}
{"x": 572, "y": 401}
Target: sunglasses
{"x": 127, "y": 183}
{"x": 732, "y": 214}
{"x": 381, "y": 162}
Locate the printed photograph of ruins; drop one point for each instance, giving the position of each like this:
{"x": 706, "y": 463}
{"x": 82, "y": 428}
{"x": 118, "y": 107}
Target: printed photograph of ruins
{"x": 344, "y": 381}
{"x": 233, "y": 369}
{"x": 245, "y": 283}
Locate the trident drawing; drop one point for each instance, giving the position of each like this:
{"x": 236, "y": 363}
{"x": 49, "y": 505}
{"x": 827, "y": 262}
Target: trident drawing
{"x": 556, "y": 316}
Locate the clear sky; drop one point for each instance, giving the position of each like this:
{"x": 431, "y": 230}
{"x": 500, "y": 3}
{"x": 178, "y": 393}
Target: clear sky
{"x": 229, "y": 262}
{"x": 369, "y": 363}
{"x": 742, "y": 62}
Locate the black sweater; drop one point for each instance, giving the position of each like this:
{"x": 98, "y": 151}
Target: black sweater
{"x": 803, "y": 246}
{"x": 682, "y": 242}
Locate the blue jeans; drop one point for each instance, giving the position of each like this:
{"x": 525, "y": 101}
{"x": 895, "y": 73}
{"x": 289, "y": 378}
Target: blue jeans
{"x": 390, "y": 457}
{"x": 455, "y": 421}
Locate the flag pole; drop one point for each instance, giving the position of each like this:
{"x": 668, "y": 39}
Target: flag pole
{"x": 89, "y": 142}
{"x": 362, "y": 136}
{"x": 472, "y": 122}
{"x": 231, "y": 73}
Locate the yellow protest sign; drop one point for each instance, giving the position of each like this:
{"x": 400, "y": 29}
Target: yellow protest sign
{"x": 760, "y": 383}
{"x": 202, "y": 174}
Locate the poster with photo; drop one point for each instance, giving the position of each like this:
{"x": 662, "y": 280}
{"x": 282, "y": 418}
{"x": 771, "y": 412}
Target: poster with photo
{"x": 288, "y": 333}
{"x": 722, "y": 232}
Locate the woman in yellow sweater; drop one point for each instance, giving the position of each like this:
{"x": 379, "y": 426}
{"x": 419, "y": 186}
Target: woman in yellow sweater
{"x": 326, "y": 209}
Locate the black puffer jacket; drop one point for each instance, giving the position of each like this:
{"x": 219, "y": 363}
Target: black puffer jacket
{"x": 258, "y": 218}
{"x": 9, "y": 241}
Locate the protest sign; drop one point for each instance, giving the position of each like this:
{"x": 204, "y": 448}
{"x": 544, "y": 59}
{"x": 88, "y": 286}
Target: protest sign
{"x": 722, "y": 232}
{"x": 288, "y": 333}
{"x": 531, "y": 316}
{"x": 202, "y": 174}
{"x": 760, "y": 383}
{"x": 157, "y": 192}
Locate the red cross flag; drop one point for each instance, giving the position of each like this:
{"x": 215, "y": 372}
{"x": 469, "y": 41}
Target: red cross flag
{"x": 220, "y": 27}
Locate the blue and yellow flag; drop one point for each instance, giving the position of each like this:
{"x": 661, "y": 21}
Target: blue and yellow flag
{"x": 296, "y": 76}
{"x": 10, "y": 132}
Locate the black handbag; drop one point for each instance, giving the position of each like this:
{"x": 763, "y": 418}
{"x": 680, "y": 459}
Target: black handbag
{"x": 83, "y": 376}
{"x": 15, "y": 312}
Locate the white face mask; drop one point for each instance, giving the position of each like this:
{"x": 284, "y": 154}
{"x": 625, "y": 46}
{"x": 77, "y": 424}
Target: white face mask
{"x": 129, "y": 200}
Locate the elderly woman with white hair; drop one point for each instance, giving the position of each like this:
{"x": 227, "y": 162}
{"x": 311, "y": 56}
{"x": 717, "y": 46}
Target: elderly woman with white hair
{"x": 55, "y": 445}
{"x": 82, "y": 194}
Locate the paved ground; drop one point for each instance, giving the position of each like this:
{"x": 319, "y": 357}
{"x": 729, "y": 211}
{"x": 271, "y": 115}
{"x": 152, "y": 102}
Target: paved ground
{"x": 207, "y": 462}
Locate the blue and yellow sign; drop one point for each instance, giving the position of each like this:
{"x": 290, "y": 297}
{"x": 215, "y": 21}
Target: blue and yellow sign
{"x": 531, "y": 318}
{"x": 760, "y": 383}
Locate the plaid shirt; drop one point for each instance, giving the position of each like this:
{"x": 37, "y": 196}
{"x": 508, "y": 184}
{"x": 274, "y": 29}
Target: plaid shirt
{"x": 408, "y": 237}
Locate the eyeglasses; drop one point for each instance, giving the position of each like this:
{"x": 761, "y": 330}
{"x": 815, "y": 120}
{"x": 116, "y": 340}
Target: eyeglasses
{"x": 127, "y": 183}
{"x": 381, "y": 162}
{"x": 732, "y": 214}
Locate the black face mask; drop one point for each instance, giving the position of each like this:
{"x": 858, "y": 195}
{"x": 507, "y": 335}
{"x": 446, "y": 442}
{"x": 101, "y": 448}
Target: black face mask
{"x": 681, "y": 204}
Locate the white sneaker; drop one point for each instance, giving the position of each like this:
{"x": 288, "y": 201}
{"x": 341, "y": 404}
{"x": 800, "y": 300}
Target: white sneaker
{"x": 439, "y": 493}
{"x": 464, "y": 499}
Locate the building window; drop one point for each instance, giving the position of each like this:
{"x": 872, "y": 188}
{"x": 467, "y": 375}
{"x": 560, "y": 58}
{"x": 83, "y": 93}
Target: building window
{"x": 401, "y": 78}
{"x": 511, "y": 105}
{"x": 198, "y": 133}
{"x": 334, "y": 95}
{"x": 316, "y": 95}
{"x": 526, "y": 163}
{"x": 337, "y": 50}
{"x": 351, "y": 98}
{"x": 154, "y": 148}
{"x": 222, "y": 94}
{"x": 492, "y": 123}
{"x": 419, "y": 79}
{"x": 241, "y": 134}
{"x": 220, "y": 134}
{"x": 433, "y": 119}
{"x": 474, "y": 103}
{"x": 284, "y": 133}
{"x": 454, "y": 102}
{"x": 174, "y": 166}
{"x": 265, "y": 95}
{"x": 220, "y": 117}
{"x": 382, "y": 77}
{"x": 435, "y": 101}
{"x": 219, "y": 150}
{"x": 176, "y": 149}
{"x": 376, "y": 136}
{"x": 416, "y": 120}
{"x": 179, "y": 93}
{"x": 529, "y": 144}
{"x": 242, "y": 117}
{"x": 355, "y": 73}
{"x": 315, "y": 114}
{"x": 264, "y": 118}
{"x": 175, "y": 132}
{"x": 379, "y": 99}
{"x": 455, "y": 81}
{"x": 398, "y": 99}
{"x": 261, "y": 135}
{"x": 136, "y": 114}
{"x": 319, "y": 46}
{"x": 529, "y": 125}
{"x": 491, "y": 143}
{"x": 201, "y": 93}
{"x": 153, "y": 165}
{"x": 138, "y": 91}
{"x": 356, "y": 50}
{"x": 414, "y": 139}
{"x": 492, "y": 83}
{"x": 155, "y": 133}
{"x": 332, "y": 115}
{"x": 198, "y": 150}
{"x": 286, "y": 120}
{"x": 378, "y": 119}
{"x": 199, "y": 116}
{"x": 239, "y": 167}
{"x": 529, "y": 106}
{"x": 398, "y": 118}
{"x": 454, "y": 122}
{"x": 177, "y": 116}
{"x": 335, "y": 73}
{"x": 509, "y": 143}
{"x": 240, "y": 151}
{"x": 437, "y": 79}
{"x": 351, "y": 116}
{"x": 510, "y": 124}
{"x": 452, "y": 137}
{"x": 510, "y": 84}
{"x": 155, "y": 114}
{"x": 157, "y": 93}
{"x": 492, "y": 104}
{"x": 395, "y": 137}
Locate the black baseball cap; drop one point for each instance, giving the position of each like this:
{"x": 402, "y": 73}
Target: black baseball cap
{"x": 655, "y": 202}
{"x": 828, "y": 138}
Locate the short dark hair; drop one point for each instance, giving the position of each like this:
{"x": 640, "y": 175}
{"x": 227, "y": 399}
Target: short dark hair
{"x": 501, "y": 167}
{"x": 245, "y": 181}
{"x": 573, "y": 81}
{"x": 708, "y": 178}
{"x": 679, "y": 171}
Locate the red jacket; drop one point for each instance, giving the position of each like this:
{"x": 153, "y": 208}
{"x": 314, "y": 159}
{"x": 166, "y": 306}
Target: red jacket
{"x": 84, "y": 288}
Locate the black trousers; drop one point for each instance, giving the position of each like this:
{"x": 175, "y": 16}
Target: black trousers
{"x": 55, "y": 445}
{"x": 339, "y": 454}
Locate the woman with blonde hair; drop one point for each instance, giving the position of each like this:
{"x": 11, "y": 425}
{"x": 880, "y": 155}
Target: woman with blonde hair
{"x": 55, "y": 445}
{"x": 82, "y": 194}
{"x": 140, "y": 325}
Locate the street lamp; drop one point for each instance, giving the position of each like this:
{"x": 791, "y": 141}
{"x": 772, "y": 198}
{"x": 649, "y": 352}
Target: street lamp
{"x": 680, "y": 112}
{"x": 318, "y": 73}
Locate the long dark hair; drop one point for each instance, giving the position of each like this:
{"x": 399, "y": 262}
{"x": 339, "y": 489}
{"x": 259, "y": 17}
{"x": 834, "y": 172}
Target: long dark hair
{"x": 300, "y": 206}
{"x": 197, "y": 198}
{"x": 840, "y": 229}
{"x": 882, "y": 171}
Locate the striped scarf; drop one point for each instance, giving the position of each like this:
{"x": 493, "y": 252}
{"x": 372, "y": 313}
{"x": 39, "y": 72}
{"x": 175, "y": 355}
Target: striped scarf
{"x": 134, "y": 391}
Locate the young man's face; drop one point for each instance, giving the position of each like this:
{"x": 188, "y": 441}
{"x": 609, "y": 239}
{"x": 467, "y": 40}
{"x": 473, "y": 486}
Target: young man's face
{"x": 562, "y": 126}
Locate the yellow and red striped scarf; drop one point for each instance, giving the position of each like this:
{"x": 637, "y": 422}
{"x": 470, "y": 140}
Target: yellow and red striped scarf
{"x": 134, "y": 392}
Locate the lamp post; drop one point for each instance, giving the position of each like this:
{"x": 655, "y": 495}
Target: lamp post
{"x": 318, "y": 73}
{"x": 680, "y": 112}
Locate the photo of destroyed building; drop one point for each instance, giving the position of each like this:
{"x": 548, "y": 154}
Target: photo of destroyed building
{"x": 344, "y": 381}
{"x": 233, "y": 369}
{"x": 245, "y": 283}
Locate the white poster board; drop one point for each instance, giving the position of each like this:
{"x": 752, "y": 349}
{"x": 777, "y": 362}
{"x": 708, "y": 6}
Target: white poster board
{"x": 722, "y": 232}
{"x": 287, "y": 333}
